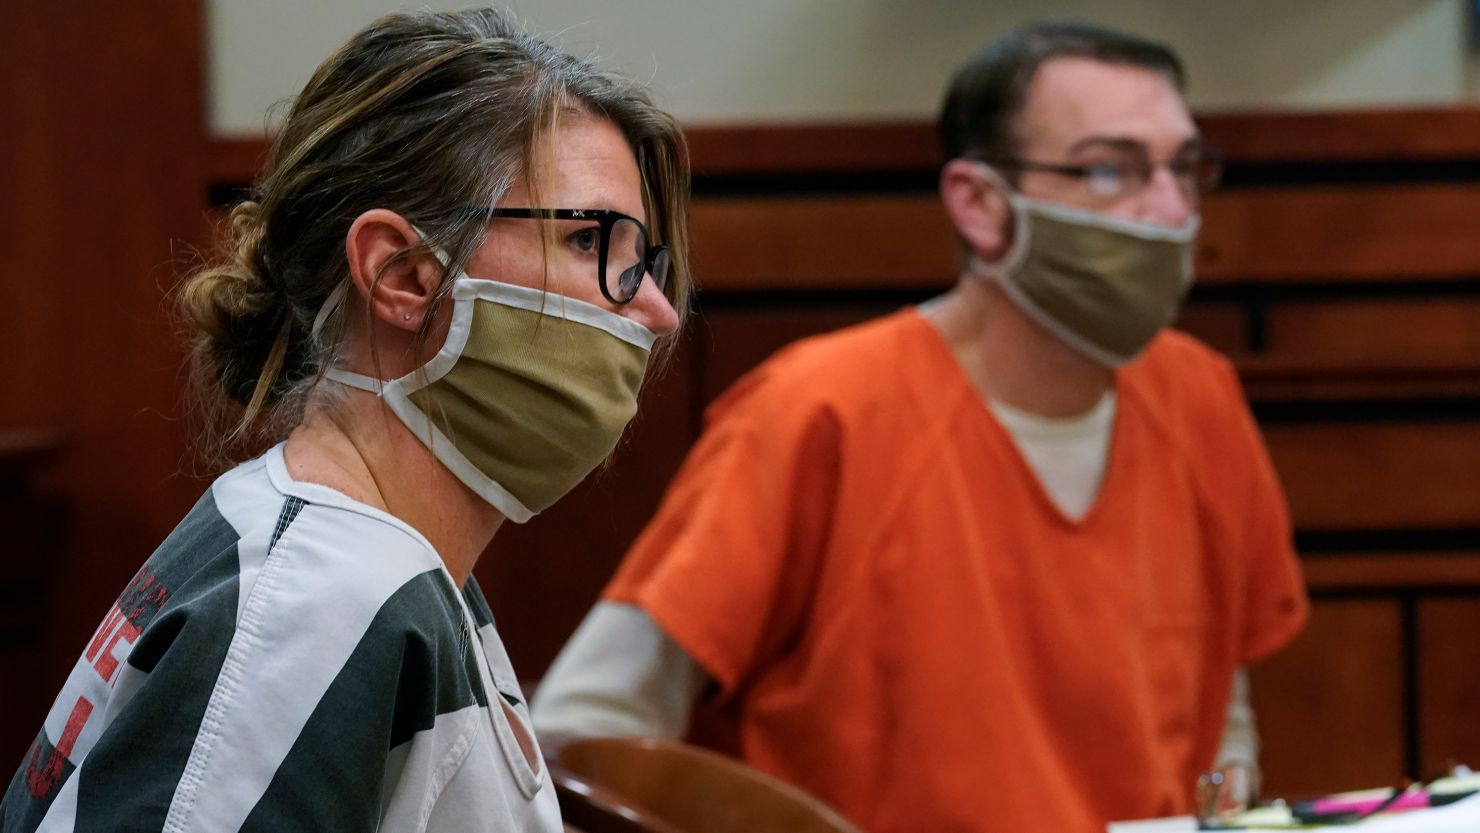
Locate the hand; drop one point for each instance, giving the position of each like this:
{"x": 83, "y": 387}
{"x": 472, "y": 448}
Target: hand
{"x": 1224, "y": 793}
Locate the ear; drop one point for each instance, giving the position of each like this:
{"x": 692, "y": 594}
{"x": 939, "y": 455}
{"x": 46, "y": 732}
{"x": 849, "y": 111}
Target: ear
{"x": 977, "y": 207}
{"x": 398, "y": 292}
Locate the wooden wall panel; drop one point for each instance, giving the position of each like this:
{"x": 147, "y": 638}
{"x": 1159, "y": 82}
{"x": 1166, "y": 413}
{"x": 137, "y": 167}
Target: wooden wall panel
{"x": 1324, "y": 235}
{"x": 1397, "y": 572}
{"x": 1330, "y": 706}
{"x": 1418, "y": 133}
{"x": 1316, "y": 377}
{"x": 1407, "y": 134}
{"x": 878, "y": 147}
{"x": 1391, "y": 232}
{"x": 99, "y": 188}
{"x": 837, "y": 243}
{"x": 1372, "y": 476}
{"x": 1222, "y": 325}
{"x": 1377, "y": 329}
{"x": 1449, "y": 683}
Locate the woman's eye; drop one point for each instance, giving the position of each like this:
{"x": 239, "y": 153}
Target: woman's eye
{"x": 586, "y": 239}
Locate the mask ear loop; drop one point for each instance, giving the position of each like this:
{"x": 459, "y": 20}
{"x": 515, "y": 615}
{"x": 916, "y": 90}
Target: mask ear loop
{"x": 1017, "y": 252}
{"x": 338, "y": 293}
{"x": 331, "y": 303}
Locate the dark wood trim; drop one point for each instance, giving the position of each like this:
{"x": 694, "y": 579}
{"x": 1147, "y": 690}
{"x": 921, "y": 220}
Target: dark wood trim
{"x": 865, "y": 147}
{"x": 891, "y": 146}
{"x": 1346, "y": 135}
{"x": 861, "y": 147}
{"x": 1393, "y": 571}
{"x": 233, "y": 161}
{"x": 1315, "y": 377}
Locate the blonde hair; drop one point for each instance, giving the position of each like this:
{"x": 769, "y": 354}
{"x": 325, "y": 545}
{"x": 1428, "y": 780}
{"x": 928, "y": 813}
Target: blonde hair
{"x": 426, "y": 114}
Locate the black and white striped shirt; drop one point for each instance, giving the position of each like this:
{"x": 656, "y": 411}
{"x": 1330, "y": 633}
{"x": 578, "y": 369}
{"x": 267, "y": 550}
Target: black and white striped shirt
{"x": 288, "y": 659}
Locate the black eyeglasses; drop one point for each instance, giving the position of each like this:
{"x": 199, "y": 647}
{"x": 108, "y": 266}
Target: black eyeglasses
{"x": 622, "y": 248}
{"x": 1197, "y": 172}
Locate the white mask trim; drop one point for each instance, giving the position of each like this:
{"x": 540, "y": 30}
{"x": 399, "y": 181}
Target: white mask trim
{"x": 1135, "y": 228}
{"x": 1015, "y": 255}
{"x": 395, "y": 396}
{"x": 448, "y": 455}
{"x": 331, "y": 303}
{"x": 571, "y": 309}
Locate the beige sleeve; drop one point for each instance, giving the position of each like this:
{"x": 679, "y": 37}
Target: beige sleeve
{"x": 1240, "y": 746}
{"x": 619, "y": 674}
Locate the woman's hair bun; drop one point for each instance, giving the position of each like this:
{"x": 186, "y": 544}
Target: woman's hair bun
{"x": 234, "y": 308}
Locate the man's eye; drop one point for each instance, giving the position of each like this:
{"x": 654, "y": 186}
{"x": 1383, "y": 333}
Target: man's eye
{"x": 1105, "y": 178}
{"x": 586, "y": 239}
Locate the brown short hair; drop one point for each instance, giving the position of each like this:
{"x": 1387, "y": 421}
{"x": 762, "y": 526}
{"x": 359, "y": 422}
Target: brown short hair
{"x": 987, "y": 94}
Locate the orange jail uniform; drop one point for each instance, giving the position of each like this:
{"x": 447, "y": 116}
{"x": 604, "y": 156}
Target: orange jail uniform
{"x": 902, "y": 622}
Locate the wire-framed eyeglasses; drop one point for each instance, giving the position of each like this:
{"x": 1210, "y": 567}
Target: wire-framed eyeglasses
{"x": 1197, "y": 172}
{"x": 619, "y": 243}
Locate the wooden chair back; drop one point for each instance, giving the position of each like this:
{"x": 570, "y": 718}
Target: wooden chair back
{"x": 608, "y": 785}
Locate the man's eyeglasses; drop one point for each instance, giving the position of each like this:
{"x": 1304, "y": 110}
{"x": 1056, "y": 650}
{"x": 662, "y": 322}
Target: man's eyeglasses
{"x": 619, "y": 243}
{"x": 1197, "y": 172}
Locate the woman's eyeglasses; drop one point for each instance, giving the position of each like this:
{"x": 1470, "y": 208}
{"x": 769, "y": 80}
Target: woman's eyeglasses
{"x": 621, "y": 246}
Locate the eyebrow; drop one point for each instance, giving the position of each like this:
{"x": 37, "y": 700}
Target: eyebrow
{"x": 1125, "y": 143}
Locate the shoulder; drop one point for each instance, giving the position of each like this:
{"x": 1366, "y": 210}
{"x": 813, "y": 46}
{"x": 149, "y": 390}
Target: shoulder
{"x": 1177, "y": 364}
{"x": 1189, "y": 391}
{"x": 1180, "y": 375}
{"x": 305, "y": 566}
{"x": 292, "y": 532}
{"x": 845, "y": 356}
{"x": 885, "y": 369}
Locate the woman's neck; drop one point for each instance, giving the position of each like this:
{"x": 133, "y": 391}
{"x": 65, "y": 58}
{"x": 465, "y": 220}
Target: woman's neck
{"x": 363, "y": 450}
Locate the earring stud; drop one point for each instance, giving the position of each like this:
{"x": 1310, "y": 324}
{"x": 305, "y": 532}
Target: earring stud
{"x": 407, "y": 316}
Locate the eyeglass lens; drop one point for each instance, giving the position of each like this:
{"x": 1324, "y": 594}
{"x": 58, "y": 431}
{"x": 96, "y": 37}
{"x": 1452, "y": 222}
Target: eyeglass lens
{"x": 624, "y": 256}
{"x": 625, "y": 261}
{"x": 1195, "y": 172}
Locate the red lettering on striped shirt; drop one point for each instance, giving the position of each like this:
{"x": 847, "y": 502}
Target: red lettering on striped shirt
{"x": 110, "y": 623}
{"x": 43, "y": 779}
{"x": 100, "y": 652}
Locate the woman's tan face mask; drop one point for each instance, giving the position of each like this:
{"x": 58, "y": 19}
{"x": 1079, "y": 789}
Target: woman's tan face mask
{"x": 530, "y": 392}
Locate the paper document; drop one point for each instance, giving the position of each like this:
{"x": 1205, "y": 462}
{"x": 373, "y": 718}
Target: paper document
{"x": 1180, "y": 824}
{"x": 1460, "y": 817}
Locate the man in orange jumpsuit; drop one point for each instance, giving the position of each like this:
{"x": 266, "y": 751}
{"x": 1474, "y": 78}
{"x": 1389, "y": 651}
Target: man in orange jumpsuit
{"x": 995, "y": 562}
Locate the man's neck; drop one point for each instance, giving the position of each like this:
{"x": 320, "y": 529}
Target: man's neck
{"x": 1013, "y": 359}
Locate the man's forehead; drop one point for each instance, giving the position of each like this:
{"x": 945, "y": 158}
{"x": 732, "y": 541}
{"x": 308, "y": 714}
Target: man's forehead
{"x": 1072, "y": 100}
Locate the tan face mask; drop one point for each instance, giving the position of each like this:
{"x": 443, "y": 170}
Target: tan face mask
{"x": 530, "y": 392}
{"x": 1104, "y": 285}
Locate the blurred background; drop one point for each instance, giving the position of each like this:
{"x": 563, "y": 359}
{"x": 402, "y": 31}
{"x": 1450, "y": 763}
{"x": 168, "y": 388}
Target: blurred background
{"x": 1339, "y": 268}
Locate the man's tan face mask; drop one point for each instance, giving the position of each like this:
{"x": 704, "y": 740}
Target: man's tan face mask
{"x": 1104, "y": 285}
